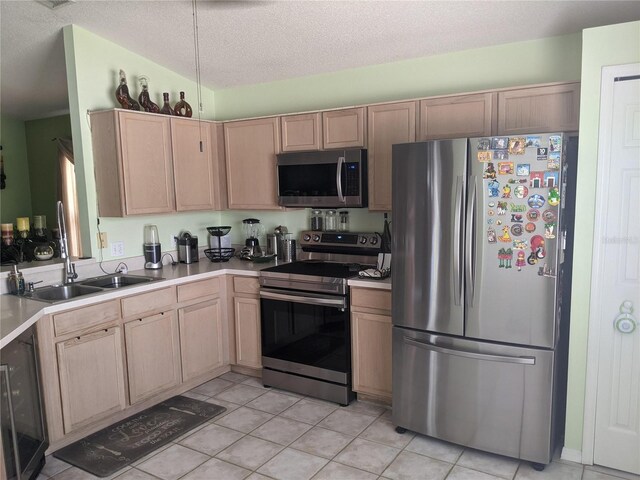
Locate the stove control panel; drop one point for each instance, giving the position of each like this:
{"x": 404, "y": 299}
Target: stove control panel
{"x": 340, "y": 241}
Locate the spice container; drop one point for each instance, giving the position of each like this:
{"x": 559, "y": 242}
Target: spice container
{"x": 317, "y": 220}
{"x": 343, "y": 225}
{"x": 331, "y": 221}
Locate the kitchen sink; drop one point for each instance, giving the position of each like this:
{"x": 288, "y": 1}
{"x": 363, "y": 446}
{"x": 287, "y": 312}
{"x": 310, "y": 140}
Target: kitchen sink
{"x": 117, "y": 280}
{"x": 58, "y": 293}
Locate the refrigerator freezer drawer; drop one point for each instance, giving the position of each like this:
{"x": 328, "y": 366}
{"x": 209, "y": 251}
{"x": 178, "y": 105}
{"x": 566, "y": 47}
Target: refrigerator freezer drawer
{"x": 496, "y": 398}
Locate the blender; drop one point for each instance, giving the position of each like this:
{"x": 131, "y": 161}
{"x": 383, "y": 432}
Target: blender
{"x": 252, "y": 229}
{"x": 152, "y": 248}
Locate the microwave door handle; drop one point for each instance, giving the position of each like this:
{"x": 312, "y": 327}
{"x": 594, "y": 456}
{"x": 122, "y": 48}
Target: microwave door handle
{"x": 341, "y": 197}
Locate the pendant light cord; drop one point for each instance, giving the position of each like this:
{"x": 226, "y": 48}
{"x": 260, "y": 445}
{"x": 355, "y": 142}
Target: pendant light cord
{"x": 196, "y": 52}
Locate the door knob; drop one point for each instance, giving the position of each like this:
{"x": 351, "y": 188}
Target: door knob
{"x": 625, "y": 322}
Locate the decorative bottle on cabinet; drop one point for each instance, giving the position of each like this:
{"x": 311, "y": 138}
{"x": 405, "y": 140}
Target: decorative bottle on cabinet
{"x": 122, "y": 94}
{"x": 166, "y": 108}
{"x": 182, "y": 108}
{"x": 144, "y": 99}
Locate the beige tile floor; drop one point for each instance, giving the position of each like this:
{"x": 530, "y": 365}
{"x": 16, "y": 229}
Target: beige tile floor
{"x": 272, "y": 434}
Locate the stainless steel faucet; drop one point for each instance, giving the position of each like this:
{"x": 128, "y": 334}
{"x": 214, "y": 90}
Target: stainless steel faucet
{"x": 69, "y": 268}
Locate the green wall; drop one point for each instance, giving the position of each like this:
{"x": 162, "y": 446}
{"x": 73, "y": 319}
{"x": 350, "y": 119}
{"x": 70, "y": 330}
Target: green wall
{"x": 15, "y": 200}
{"x": 92, "y": 81}
{"x": 93, "y": 64}
{"x": 551, "y": 59}
{"x": 42, "y": 154}
{"x": 540, "y": 61}
{"x": 602, "y": 46}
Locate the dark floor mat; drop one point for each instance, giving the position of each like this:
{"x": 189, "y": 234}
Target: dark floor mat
{"x": 118, "y": 445}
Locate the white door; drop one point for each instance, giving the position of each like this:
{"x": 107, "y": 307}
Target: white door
{"x": 617, "y": 266}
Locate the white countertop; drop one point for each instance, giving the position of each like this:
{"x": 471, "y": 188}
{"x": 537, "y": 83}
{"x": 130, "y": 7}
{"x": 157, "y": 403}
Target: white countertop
{"x": 17, "y": 314}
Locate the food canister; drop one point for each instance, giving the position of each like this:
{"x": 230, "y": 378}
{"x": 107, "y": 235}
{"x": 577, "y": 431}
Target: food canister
{"x": 289, "y": 250}
{"x": 344, "y": 221}
{"x": 331, "y": 221}
{"x": 317, "y": 220}
{"x": 273, "y": 244}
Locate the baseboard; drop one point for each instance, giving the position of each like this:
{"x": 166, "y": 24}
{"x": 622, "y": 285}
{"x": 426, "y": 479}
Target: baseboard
{"x": 384, "y": 401}
{"x": 571, "y": 455}
{"x": 253, "y": 372}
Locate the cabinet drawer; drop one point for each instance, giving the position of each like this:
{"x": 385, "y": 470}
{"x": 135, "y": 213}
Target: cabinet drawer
{"x": 203, "y": 288}
{"x": 249, "y": 285}
{"x": 370, "y": 298}
{"x": 85, "y": 318}
{"x": 148, "y": 302}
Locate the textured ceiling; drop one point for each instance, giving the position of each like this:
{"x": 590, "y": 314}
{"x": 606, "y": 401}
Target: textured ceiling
{"x": 246, "y": 42}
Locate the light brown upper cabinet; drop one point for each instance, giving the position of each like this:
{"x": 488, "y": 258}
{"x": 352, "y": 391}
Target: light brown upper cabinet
{"x": 197, "y": 172}
{"x": 301, "y": 132}
{"x": 550, "y": 108}
{"x": 146, "y": 163}
{"x": 132, "y": 161}
{"x": 457, "y": 116}
{"x": 343, "y": 128}
{"x": 386, "y": 125}
{"x": 250, "y": 150}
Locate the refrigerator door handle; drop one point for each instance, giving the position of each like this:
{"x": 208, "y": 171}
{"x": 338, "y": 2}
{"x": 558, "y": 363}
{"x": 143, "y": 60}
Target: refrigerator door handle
{"x": 470, "y": 232}
{"x": 472, "y": 355}
{"x": 457, "y": 242}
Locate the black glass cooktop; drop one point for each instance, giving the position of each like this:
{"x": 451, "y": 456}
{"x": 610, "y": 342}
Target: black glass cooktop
{"x": 319, "y": 269}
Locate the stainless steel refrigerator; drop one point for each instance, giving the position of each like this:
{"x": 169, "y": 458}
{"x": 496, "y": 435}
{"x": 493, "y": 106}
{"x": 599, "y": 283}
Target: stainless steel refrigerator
{"x": 479, "y": 237}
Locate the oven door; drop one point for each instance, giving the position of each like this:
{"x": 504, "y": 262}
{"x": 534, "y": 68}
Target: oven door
{"x": 306, "y": 334}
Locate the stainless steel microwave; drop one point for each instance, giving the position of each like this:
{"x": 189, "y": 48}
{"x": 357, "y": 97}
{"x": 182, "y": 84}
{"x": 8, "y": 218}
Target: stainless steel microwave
{"x": 326, "y": 179}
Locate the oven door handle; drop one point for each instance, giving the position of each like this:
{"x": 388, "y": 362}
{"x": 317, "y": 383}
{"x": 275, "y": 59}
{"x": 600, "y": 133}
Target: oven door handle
{"x": 307, "y": 298}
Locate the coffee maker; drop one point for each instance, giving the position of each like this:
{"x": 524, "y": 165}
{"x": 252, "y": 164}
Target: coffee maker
{"x": 152, "y": 248}
{"x": 187, "y": 247}
{"x": 252, "y": 229}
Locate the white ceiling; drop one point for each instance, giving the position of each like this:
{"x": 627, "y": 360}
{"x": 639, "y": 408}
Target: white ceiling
{"x": 245, "y": 42}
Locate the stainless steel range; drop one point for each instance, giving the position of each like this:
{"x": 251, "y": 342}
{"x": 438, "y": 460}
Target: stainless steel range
{"x": 306, "y": 332}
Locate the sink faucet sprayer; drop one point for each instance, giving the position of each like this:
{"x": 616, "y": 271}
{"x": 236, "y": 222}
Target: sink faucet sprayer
{"x": 69, "y": 268}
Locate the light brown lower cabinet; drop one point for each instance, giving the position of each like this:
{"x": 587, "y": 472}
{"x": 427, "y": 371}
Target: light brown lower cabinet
{"x": 201, "y": 338}
{"x": 371, "y": 342}
{"x": 91, "y": 377}
{"x": 246, "y": 321}
{"x": 153, "y": 355}
{"x": 247, "y": 324}
{"x": 104, "y": 362}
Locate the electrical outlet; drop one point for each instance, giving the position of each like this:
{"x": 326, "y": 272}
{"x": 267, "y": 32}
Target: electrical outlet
{"x": 102, "y": 240}
{"x": 172, "y": 241}
{"x": 117, "y": 249}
